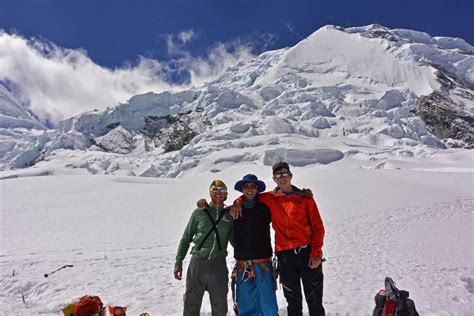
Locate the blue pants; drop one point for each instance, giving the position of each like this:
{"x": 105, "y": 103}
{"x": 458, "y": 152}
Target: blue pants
{"x": 255, "y": 294}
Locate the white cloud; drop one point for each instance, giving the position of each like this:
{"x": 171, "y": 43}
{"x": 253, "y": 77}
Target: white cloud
{"x": 292, "y": 30}
{"x": 172, "y": 46}
{"x": 175, "y": 42}
{"x": 186, "y": 36}
{"x": 58, "y": 82}
{"x": 218, "y": 59}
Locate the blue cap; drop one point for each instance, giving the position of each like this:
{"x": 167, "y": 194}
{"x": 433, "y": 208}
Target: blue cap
{"x": 250, "y": 178}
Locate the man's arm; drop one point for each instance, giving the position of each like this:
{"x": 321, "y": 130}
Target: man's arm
{"x": 183, "y": 247}
{"x": 264, "y": 197}
{"x": 317, "y": 233}
{"x": 236, "y": 208}
{"x": 232, "y": 235}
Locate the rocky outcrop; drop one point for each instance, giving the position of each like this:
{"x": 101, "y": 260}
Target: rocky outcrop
{"x": 378, "y": 31}
{"x": 118, "y": 140}
{"x": 173, "y": 132}
{"x": 447, "y": 112}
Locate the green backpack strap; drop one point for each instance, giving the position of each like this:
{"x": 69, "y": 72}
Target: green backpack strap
{"x": 213, "y": 229}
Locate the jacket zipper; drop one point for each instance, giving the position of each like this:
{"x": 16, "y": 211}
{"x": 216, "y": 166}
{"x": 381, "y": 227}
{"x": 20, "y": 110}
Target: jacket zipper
{"x": 250, "y": 233}
{"x": 287, "y": 223}
{"x": 214, "y": 244}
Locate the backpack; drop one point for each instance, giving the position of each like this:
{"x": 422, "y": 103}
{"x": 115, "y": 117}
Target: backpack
{"x": 117, "y": 310}
{"x": 89, "y": 305}
{"x": 391, "y": 301}
{"x": 68, "y": 310}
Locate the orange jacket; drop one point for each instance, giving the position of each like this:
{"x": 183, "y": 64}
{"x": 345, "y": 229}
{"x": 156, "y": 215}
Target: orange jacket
{"x": 296, "y": 221}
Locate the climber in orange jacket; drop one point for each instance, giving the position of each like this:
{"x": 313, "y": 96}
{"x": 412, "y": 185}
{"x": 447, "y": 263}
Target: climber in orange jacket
{"x": 299, "y": 236}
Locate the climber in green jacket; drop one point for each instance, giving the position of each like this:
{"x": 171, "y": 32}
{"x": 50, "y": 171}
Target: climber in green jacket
{"x": 210, "y": 231}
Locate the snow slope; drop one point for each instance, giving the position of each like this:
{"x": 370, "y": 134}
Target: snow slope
{"x": 329, "y": 57}
{"x": 121, "y": 235}
{"x": 13, "y": 114}
{"x": 21, "y": 134}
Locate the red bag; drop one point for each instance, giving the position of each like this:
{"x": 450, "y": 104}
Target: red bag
{"x": 390, "y": 308}
{"x": 118, "y": 310}
{"x": 391, "y": 301}
{"x": 88, "y": 305}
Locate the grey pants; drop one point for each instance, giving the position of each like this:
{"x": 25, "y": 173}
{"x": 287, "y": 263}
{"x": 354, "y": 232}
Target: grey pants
{"x": 211, "y": 276}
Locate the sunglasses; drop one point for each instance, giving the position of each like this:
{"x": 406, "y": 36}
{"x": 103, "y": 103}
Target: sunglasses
{"x": 218, "y": 189}
{"x": 282, "y": 175}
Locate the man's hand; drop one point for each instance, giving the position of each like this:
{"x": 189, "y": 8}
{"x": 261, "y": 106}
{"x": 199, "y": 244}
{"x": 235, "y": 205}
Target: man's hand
{"x": 202, "y": 203}
{"x": 314, "y": 262}
{"x": 178, "y": 273}
{"x": 236, "y": 210}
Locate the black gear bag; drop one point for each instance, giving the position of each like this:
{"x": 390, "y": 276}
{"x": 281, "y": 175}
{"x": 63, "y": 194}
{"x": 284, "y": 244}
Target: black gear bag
{"x": 391, "y": 301}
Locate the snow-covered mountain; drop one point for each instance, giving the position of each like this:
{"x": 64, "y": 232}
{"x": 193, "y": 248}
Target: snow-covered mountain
{"x": 20, "y": 131}
{"x": 13, "y": 114}
{"x": 366, "y": 93}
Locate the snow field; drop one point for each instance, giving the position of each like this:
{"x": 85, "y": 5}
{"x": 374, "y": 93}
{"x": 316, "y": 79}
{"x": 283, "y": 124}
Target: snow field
{"x": 121, "y": 235}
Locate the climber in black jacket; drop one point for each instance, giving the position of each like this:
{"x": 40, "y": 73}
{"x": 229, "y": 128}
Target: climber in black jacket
{"x": 255, "y": 294}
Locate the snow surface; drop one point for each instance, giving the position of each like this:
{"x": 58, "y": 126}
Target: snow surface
{"x": 412, "y": 222}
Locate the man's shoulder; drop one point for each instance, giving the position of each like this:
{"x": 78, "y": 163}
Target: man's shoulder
{"x": 261, "y": 205}
{"x": 304, "y": 193}
{"x": 204, "y": 210}
{"x": 199, "y": 211}
{"x": 265, "y": 196}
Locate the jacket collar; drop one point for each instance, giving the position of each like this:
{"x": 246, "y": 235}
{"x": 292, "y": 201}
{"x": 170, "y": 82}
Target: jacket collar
{"x": 297, "y": 191}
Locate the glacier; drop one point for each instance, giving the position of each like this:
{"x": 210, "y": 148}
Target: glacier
{"x": 398, "y": 91}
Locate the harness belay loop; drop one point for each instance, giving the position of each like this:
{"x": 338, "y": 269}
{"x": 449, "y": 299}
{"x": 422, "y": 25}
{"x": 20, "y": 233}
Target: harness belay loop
{"x": 232, "y": 287}
{"x": 275, "y": 272}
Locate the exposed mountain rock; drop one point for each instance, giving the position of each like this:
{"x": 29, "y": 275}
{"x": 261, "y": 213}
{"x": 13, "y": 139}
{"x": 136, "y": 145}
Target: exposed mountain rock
{"x": 173, "y": 132}
{"x": 118, "y": 140}
{"x": 376, "y": 31}
{"x": 448, "y": 112}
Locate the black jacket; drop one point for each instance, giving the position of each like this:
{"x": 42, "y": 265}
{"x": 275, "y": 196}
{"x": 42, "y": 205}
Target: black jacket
{"x": 252, "y": 233}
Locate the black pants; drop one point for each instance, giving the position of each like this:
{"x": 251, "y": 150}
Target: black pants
{"x": 293, "y": 268}
{"x": 211, "y": 276}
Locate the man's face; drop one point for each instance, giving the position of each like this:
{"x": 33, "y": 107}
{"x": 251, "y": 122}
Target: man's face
{"x": 282, "y": 177}
{"x": 218, "y": 194}
{"x": 249, "y": 190}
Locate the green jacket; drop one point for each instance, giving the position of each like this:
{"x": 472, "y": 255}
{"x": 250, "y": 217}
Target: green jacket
{"x": 198, "y": 227}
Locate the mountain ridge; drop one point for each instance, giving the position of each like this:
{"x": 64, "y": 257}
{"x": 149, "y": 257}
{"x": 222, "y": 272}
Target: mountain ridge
{"x": 398, "y": 90}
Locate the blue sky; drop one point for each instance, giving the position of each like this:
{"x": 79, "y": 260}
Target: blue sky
{"x": 114, "y": 32}
{"x": 63, "y": 57}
